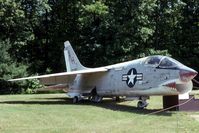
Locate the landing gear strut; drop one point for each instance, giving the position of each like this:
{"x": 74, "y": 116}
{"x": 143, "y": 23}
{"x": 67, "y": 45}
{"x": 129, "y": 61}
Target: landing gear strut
{"x": 94, "y": 97}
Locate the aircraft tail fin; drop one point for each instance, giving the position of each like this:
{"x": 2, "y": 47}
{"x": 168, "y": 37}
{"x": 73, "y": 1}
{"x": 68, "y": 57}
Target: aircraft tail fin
{"x": 72, "y": 62}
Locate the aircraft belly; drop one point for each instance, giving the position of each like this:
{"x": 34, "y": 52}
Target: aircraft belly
{"x": 136, "y": 92}
{"x": 154, "y": 91}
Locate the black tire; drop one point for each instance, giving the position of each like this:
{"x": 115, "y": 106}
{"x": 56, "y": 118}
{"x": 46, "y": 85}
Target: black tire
{"x": 75, "y": 99}
{"x": 140, "y": 105}
{"x": 96, "y": 99}
{"x": 117, "y": 98}
{"x": 99, "y": 100}
{"x": 89, "y": 98}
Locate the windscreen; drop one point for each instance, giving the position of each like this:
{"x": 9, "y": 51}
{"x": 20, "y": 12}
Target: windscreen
{"x": 167, "y": 63}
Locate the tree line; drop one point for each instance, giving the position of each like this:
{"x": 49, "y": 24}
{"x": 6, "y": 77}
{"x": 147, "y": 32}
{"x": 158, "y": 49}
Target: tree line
{"x": 102, "y": 32}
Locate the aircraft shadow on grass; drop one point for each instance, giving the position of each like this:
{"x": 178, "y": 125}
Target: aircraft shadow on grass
{"x": 107, "y": 104}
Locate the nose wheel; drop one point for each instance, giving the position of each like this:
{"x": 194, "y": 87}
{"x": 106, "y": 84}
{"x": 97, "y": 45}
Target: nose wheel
{"x": 142, "y": 104}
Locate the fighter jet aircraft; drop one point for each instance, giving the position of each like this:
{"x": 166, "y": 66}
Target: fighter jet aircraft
{"x": 136, "y": 79}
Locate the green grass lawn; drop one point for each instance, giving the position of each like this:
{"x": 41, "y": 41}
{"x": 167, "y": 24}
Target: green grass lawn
{"x": 54, "y": 113}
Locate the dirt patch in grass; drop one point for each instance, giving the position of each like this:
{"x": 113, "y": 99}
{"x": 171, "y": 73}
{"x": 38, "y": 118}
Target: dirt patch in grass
{"x": 196, "y": 117}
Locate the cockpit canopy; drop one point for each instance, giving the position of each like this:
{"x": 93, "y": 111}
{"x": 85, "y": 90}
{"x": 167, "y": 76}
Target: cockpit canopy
{"x": 161, "y": 62}
{"x": 153, "y": 60}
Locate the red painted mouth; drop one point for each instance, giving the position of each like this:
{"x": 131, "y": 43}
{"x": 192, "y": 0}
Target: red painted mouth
{"x": 171, "y": 86}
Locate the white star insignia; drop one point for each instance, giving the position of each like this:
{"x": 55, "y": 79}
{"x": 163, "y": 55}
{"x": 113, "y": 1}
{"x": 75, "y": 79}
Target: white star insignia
{"x": 131, "y": 78}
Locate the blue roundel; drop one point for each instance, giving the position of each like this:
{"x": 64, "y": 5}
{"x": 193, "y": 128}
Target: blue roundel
{"x": 132, "y": 77}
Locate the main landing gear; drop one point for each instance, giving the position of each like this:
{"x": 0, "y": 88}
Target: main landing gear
{"x": 76, "y": 99}
{"x": 142, "y": 103}
{"x": 95, "y": 98}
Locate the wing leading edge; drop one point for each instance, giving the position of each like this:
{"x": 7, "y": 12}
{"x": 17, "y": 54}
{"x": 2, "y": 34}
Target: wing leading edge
{"x": 61, "y": 78}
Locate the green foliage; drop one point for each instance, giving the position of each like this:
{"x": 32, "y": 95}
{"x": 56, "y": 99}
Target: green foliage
{"x": 32, "y": 86}
{"x": 9, "y": 88}
{"x": 155, "y": 52}
{"x": 97, "y": 8}
{"x": 92, "y": 13}
{"x": 9, "y": 68}
{"x": 18, "y": 23}
{"x": 102, "y": 32}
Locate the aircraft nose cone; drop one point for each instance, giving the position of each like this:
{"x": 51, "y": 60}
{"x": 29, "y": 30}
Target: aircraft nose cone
{"x": 187, "y": 75}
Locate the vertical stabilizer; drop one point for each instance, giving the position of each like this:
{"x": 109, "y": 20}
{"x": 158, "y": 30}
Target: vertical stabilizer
{"x": 72, "y": 62}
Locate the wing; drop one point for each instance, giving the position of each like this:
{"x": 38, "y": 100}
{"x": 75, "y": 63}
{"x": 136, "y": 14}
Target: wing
{"x": 61, "y": 78}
